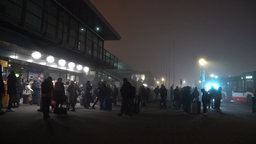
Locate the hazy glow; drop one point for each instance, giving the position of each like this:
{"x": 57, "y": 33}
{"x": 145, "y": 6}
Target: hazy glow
{"x": 248, "y": 77}
{"x": 62, "y": 62}
{"x": 14, "y": 56}
{"x": 210, "y": 85}
{"x": 143, "y": 77}
{"x": 71, "y": 65}
{"x": 36, "y": 55}
{"x": 42, "y": 63}
{"x": 86, "y": 69}
{"x": 97, "y": 28}
{"x": 50, "y": 59}
{"x": 202, "y": 62}
{"x": 54, "y": 65}
{"x": 29, "y": 60}
{"x": 79, "y": 67}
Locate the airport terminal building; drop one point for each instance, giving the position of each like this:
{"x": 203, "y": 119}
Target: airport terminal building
{"x": 57, "y": 38}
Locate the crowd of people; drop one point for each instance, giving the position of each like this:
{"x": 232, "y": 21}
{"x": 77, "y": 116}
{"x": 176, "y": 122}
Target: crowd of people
{"x": 52, "y": 95}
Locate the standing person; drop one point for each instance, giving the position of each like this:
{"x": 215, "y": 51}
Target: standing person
{"x": 195, "y": 95}
{"x": 11, "y": 89}
{"x": 125, "y": 94}
{"x": 2, "y": 90}
{"x": 163, "y": 95}
{"x": 20, "y": 87}
{"x": 115, "y": 95}
{"x": 205, "y": 100}
{"x": 59, "y": 93}
{"x": 218, "y": 98}
{"x": 46, "y": 92}
{"x": 176, "y": 98}
{"x": 156, "y": 91}
{"x": 98, "y": 93}
{"x": 73, "y": 94}
{"x": 36, "y": 87}
{"x": 87, "y": 94}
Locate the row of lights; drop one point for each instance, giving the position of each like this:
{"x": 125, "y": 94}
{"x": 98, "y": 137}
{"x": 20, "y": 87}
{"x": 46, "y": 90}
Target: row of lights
{"x": 50, "y": 59}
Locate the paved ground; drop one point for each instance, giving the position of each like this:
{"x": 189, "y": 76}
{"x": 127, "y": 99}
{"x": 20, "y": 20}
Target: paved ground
{"x": 236, "y": 124}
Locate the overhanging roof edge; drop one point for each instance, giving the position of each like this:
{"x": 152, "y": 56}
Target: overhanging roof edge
{"x": 88, "y": 2}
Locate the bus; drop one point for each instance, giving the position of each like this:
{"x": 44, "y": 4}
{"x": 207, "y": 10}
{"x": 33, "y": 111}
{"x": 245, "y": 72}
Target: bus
{"x": 240, "y": 88}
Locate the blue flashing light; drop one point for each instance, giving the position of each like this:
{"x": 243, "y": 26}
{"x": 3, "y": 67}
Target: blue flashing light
{"x": 208, "y": 86}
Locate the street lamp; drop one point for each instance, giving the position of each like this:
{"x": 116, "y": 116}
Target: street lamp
{"x": 163, "y": 80}
{"x": 202, "y": 62}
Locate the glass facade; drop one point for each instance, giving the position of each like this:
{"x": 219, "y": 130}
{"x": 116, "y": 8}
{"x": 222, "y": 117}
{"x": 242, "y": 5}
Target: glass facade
{"x": 46, "y": 19}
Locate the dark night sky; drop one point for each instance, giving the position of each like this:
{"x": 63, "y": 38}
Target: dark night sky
{"x": 163, "y": 36}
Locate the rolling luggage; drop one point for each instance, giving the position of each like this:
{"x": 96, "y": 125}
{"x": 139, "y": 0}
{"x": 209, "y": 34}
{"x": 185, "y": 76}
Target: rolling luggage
{"x": 193, "y": 109}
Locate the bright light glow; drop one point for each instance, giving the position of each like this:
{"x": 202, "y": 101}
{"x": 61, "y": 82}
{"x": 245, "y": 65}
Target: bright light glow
{"x": 55, "y": 66}
{"x": 42, "y": 63}
{"x": 14, "y": 57}
{"x": 248, "y": 77}
{"x": 29, "y": 60}
{"x": 97, "y": 28}
{"x": 202, "y": 62}
{"x": 82, "y": 29}
{"x": 86, "y": 69}
{"x": 157, "y": 82}
{"x": 143, "y": 77}
{"x": 79, "y": 67}
{"x": 71, "y": 65}
{"x": 212, "y": 75}
{"x": 216, "y": 76}
{"x": 145, "y": 85}
{"x": 17, "y": 75}
{"x": 210, "y": 85}
{"x": 62, "y": 62}
{"x": 50, "y": 59}
{"x": 36, "y": 55}
{"x": 184, "y": 82}
{"x": 162, "y": 79}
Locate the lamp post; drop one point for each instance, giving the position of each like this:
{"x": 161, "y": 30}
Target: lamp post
{"x": 202, "y": 62}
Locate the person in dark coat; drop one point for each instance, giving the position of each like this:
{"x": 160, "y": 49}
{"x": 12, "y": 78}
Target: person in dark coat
{"x": 11, "y": 89}
{"x": 36, "y": 87}
{"x": 59, "y": 93}
{"x": 46, "y": 92}
{"x": 126, "y": 97}
{"x": 177, "y": 98}
{"x": 205, "y": 100}
{"x": 163, "y": 95}
{"x": 87, "y": 94}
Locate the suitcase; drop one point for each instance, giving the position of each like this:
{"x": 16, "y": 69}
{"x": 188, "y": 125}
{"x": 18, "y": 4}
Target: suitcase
{"x": 194, "y": 109}
{"x": 107, "y": 104}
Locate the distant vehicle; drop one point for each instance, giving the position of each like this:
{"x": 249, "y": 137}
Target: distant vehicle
{"x": 240, "y": 88}
{"x": 242, "y": 96}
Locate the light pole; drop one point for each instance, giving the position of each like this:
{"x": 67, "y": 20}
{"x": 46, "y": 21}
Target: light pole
{"x": 202, "y": 62}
